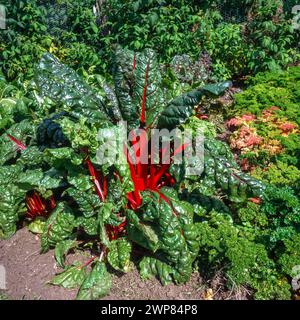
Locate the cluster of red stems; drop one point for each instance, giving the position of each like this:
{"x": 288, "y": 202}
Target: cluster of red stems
{"x": 35, "y": 203}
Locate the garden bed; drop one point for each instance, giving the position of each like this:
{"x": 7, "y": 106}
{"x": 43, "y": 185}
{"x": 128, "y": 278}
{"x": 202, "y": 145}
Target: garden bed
{"x": 92, "y": 198}
{"x": 28, "y": 273}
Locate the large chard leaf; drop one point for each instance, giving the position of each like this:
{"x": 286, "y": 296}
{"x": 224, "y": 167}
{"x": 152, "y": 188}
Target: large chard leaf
{"x": 151, "y": 267}
{"x": 103, "y": 215}
{"x": 79, "y": 179}
{"x": 137, "y": 81}
{"x": 97, "y": 284}
{"x": 119, "y": 255}
{"x": 11, "y": 199}
{"x": 177, "y": 238}
{"x": 185, "y": 214}
{"x": 61, "y": 250}
{"x": 71, "y": 278}
{"x": 22, "y": 131}
{"x": 141, "y": 233}
{"x": 89, "y": 225}
{"x": 58, "y": 227}
{"x": 87, "y": 201}
{"x": 39, "y": 180}
{"x": 64, "y": 85}
{"x": 31, "y": 157}
{"x": 138, "y": 89}
{"x": 11, "y": 204}
{"x": 62, "y": 157}
{"x": 221, "y": 171}
{"x": 181, "y": 108}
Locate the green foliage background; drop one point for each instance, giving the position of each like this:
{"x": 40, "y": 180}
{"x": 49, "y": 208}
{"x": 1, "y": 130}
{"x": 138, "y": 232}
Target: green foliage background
{"x": 255, "y": 36}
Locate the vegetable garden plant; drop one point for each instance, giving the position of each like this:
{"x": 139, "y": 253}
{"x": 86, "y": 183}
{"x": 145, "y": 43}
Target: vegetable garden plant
{"x": 52, "y": 181}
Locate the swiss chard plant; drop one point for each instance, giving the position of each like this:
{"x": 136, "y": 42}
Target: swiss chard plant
{"x": 51, "y": 177}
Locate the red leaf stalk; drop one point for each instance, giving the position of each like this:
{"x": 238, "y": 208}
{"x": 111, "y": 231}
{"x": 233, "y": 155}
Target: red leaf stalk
{"x": 147, "y": 176}
{"x": 134, "y": 62}
{"x": 38, "y": 206}
{"x": 95, "y": 176}
{"x": 89, "y": 262}
{"x": 19, "y": 144}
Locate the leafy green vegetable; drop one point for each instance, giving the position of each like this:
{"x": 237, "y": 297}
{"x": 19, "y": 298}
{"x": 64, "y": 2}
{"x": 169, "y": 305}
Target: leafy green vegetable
{"x": 97, "y": 283}
{"x": 119, "y": 255}
{"x": 72, "y": 92}
{"x": 61, "y": 250}
{"x": 37, "y": 226}
{"x": 71, "y": 278}
{"x": 58, "y": 227}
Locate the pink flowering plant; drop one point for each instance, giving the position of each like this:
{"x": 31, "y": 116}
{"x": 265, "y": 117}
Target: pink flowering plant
{"x": 258, "y": 141}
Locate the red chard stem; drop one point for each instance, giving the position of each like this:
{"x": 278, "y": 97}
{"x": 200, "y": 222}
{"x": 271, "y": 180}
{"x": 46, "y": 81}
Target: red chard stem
{"x": 17, "y": 142}
{"x": 134, "y": 62}
{"x": 95, "y": 178}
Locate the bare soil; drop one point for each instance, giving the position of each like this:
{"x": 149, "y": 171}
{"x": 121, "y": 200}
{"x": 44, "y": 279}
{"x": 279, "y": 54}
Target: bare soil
{"x": 28, "y": 271}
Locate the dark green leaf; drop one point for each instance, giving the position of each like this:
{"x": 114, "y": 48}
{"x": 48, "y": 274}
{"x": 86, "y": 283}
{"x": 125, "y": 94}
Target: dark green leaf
{"x": 64, "y": 85}
{"x": 96, "y": 285}
{"x": 61, "y": 250}
{"x": 71, "y": 278}
{"x": 119, "y": 255}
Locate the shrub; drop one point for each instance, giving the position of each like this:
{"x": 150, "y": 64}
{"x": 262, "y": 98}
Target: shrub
{"x": 280, "y": 89}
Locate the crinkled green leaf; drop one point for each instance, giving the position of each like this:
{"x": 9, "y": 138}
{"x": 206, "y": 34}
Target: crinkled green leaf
{"x": 89, "y": 225}
{"x": 58, "y": 227}
{"x": 140, "y": 232}
{"x": 58, "y": 157}
{"x": 87, "y": 201}
{"x": 80, "y": 180}
{"x": 103, "y": 214}
{"x": 11, "y": 204}
{"x": 181, "y": 108}
{"x": 30, "y": 178}
{"x": 51, "y": 179}
{"x": 119, "y": 255}
{"x": 31, "y": 157}
{"x": 61, "y": 250}
{"x": 151, "y": 267}
{"x": 64, "y": 85}
{"x": 223, "y": 170}
{"x": 97, "y": 284}
{"x": 37, "y": 179}
{"x": 71, "y": 278}
{"x": 171, "y": 227}
{"x": 112, "y": 104}
{"x": 80, "y": 133}
{"x": 22, "y": 131}
{"x": 130, "y": 83}
{"x": 37, "y": 226}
